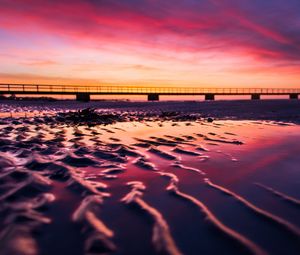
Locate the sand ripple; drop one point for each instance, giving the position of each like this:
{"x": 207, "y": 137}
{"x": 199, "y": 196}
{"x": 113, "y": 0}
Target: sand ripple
{"x": 292, "y": 229}
{"x": 237, "y": 237}
{"x": 73, "y": 175}
{"x": 161, "y": 236}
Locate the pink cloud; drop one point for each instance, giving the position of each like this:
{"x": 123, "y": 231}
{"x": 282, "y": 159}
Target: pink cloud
{"x": 153, "y": 32}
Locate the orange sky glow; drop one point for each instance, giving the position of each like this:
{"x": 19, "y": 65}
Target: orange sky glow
{"x": 204, "y": 43}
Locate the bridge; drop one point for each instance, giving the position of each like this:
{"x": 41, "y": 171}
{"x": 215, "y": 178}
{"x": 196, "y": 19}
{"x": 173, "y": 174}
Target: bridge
{"x": 83, "y": 93}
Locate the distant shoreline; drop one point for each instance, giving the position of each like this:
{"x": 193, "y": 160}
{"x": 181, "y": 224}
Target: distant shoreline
{"x": 274, "y": 110}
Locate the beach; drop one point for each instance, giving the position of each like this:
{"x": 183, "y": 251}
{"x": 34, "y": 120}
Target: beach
{"x": 164, "y": 177}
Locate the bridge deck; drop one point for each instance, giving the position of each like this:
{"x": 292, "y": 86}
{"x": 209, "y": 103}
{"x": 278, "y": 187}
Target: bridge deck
{"x": 133, "y": 90}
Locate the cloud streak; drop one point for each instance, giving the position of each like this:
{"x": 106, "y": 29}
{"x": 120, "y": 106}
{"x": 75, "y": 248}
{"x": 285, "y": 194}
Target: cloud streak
{"x": 264, "y": 33}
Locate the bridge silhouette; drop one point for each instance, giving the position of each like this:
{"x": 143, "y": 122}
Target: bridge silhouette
{"x": 83, "y": 93}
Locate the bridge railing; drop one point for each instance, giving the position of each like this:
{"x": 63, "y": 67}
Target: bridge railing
{"x": 44, "y": 88}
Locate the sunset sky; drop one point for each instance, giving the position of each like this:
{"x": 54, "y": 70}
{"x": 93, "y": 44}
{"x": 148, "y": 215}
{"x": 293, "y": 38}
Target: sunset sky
{"x": 211, "y": 43}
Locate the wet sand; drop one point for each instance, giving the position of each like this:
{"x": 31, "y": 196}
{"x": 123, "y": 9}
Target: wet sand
{"x": 155, "y": 186}
{"x": 279, "y": 110}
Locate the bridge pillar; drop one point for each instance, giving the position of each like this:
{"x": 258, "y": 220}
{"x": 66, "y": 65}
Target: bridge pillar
{"x": 209, "y": 96}
{"x": 255, "y": 96}
{"x": 83, "y": 97}
{"x": 153, "y": 97}
{"x": 294, "y": 96}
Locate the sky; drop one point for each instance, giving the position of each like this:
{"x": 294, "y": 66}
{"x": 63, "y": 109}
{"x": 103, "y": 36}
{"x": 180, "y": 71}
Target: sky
{"x": 185, "y": 43}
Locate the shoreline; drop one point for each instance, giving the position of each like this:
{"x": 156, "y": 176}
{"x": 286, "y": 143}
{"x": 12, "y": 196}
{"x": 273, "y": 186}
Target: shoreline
{"x": 268, "y": 110}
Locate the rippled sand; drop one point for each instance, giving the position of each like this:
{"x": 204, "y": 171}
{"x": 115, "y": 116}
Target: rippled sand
{"x": 157, "y": 187}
